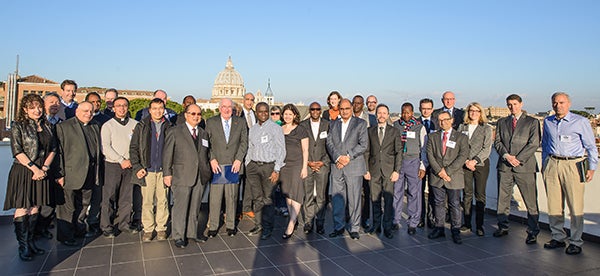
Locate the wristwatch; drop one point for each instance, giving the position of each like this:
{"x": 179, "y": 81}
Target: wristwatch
{"x": 30, "y": 164}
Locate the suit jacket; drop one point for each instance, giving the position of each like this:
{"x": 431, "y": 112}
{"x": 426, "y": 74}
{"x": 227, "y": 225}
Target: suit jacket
{"x": 457, "y": 113}
{"x": 480, "y": 143}
{"x": 243, "y": 116}
{"x": 433, "y": 124}
{"x": 355, "y": 144}
{"x": 317, "y": 150}
{"x": 181, "y": 158}
{"x": 74, "y": 158}
{"x": 384, "y": 158}
{"x": 522, "y": 143}
{"x": 452, "y": 162}
{"x": 227, "y": 152}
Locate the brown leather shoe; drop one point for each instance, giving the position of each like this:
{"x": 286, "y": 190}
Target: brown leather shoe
{"x": 148, "y": 236}
{"x": 161, "y": 235}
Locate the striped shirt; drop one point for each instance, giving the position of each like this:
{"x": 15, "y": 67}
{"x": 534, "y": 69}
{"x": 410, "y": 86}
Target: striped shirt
{"x": 266, "y": 143}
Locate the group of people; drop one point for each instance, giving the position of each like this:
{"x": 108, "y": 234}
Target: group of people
{"x": 104, "y": 172}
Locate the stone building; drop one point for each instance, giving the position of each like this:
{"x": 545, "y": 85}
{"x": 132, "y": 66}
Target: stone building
{"x": 228, "y": 84}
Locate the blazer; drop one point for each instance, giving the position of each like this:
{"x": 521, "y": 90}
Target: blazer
{"x": 452, "y": 162}
{"x": 227, "y": 152}
{"x": 74, "y": 158}
{"x": 523, "y": 143}
{"x": 385, "y": 158}
{"x": 457, "y": 113}
{"x": 243, "y": 116}
{"x": 181, "y": 158}
{"x": 480, "y": 143}
{"x": 355, "y": 144}
{"x": 317, "y": 150}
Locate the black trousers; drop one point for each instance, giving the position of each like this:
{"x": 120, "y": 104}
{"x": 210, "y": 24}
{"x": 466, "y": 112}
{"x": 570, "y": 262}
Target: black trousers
{"x": 117, "y": 197}
{"x": 71, "y": 214}
{"x": 382, "y": 187}
{"x": 475, "y": 184}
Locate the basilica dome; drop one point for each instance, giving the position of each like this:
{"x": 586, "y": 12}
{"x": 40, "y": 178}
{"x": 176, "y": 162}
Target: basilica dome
{"x": 229, "y": 84}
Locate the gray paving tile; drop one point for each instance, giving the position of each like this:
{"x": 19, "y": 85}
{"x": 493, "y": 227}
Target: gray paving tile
{"x": 160, "y": 267}
{"x": 156, "y": 249}
{"x": 95, "y": 256}
{"x": 193, "y": 265}
{"x": 93, "y": 271}
{"x": 252, "y": 259}
{"x": 127, "y": 269}
{"x": 222, "y": 262}
{"x": 326, "y": 267}
{"x": 61, "y": 259}
{"x": 126, "y": 253}
{"x": 355, "y": 266}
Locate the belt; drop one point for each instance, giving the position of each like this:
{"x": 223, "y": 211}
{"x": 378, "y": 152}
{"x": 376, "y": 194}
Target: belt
{"x": 565, "y": 157}
{"x": 263, "y": 163}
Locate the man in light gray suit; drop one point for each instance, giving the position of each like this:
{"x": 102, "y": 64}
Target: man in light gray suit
{"x": 228, "y": 139}
{"x": 186, "y": 171}
{"x": 447, "y": 151}
{"x": 384, "y": 161}
{"x": 346, "y": 143}
{"x": 517, "y": 140}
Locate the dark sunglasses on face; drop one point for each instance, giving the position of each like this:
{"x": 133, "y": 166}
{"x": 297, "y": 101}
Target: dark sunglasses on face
{"x": 315, "y": 109}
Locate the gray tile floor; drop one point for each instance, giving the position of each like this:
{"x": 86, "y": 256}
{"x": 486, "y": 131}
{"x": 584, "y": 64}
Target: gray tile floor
{"x": 311, "y": 254}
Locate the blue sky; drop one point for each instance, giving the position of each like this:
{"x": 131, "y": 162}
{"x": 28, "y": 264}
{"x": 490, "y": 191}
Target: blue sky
{"x": 397, "y": 50}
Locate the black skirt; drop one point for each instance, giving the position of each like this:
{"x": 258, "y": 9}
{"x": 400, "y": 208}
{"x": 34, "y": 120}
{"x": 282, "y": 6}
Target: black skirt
{"x": 24, "y": 192}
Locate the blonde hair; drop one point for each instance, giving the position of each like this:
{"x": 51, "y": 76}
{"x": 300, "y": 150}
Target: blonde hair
{"x": 482, "y": 118}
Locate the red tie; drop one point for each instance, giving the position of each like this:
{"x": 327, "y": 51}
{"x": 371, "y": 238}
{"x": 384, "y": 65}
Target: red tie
{"x": 194, "y": 133}
{"x": 514, "y": 123}
{"x": 444, "y": 140}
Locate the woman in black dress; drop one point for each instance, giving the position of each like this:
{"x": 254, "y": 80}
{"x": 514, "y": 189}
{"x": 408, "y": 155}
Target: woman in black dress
{"x": 33, "y": 147}
{"x": 296, "y": 165}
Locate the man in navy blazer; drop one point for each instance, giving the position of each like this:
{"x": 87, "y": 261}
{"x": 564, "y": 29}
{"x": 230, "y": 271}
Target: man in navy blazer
{"x": 458, "y": 114}
{"x": 346, "y": 143}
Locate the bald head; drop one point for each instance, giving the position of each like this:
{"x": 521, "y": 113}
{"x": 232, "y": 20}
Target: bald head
{"x": 448, "y": 99}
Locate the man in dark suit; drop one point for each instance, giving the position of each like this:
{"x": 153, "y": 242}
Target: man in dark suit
{"x": 458, "y": 114}
{"x": 78, "y": 172}
{"x": 228, "y": 139}
{"x": 358, "y": 111}
{"x": 346, "y": 143}
{"x": 249, "y": 116}
{"x": 109, "y": 96}
{"x": 447, "y": 151}
{"x": 186, "y": 171}
{"x": 517, "y": 140}
{"x": 427, "y": 120}
{"x": 170, "y": 114}
{"x": 318, "y": 175}
{"x": 384, "y": 161}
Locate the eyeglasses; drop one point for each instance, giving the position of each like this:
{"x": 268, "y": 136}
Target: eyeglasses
{"x": 194, "y": 113}
{"x": 445, "y": 120}
{"x": 121, "y": 105}
{"x": 315, "y": 108}
{"x": 474, "y": 110}
{"x": 275, "y": 113}
{"x": 371, "y": 102}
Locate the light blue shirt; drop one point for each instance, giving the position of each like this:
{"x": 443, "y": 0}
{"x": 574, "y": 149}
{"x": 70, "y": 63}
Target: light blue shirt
{"x": 572, "y": 136}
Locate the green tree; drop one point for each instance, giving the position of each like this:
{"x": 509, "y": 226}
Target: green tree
{"x": 136, "y": 105}
{"x": 582, "y": 113}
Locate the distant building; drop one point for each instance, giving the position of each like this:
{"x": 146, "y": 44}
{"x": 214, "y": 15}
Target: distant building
{"x": 228, "y": 84}
{"x": 496, "y": 112}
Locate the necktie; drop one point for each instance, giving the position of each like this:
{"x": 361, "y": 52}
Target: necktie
{"x": 194, "y": 133}
{"x": 249, "y": 119}
{"x": 514, "y": 123}
{"x": 380, "y": 135}
{"x": 444, "y": 140}
{"x": 427, "y": 127}
{"x": 227, "y": 131}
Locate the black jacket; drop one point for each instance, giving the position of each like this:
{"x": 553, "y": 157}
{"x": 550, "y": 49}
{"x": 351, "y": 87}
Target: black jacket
{"x": 139, "y": 148}
{"x": 24, "y": 139}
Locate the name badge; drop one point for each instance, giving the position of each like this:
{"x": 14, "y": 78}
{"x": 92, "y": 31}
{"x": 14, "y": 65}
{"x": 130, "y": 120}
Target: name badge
{"x": 264, "y": 139}
{"x": 450, "y": 144}
{"x": 411, "y": 134}
{"x": 323, "y": 135}
{"x": 205, "y": 143}
{"x": 565, "y": 138}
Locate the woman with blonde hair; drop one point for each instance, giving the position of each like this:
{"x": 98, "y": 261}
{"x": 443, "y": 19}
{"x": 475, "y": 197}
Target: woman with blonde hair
{"x": 477, "y": 166}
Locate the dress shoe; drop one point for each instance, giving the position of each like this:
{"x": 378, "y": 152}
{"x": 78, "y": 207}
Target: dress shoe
{"x": 388, "y": 234}
{"x": 161, "y": 235}
{"x": 395, "y": 226}
{"x": 465, "y": 228}
{"x": 308, "y": 228}
{"x": 130, "y": 230}
{"x": 411, "y": 230}
{"x": 69, "y": 243}
{"x": 573, "y": 249}
{"x": 147, "y": 237}
{"x": 552, "y": 244}
{"x": 480, "y": 232}
{"x": 336, "y": 233}
{"x": 255, "y": 231}
{"x": 531, "y": 239}
{"x": 180, "y": 243}
{"x": 91, "y": 233}
{"x": 287, "y": 236}
{"x": 108, "y": 234}
{"x": 231, "y": 232}
{"x": 201, "y": 239}
{"x": 265, "y": 235}
{"x": 354, "y": 235}
{"x": 456, "y": 238}
{"x": 421, "y": 224}
{"x": 436, "y": 233}
{"x": 500, "y": 232}
{"x": 320, "y": 229}
{"x": 212, "y": 233}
